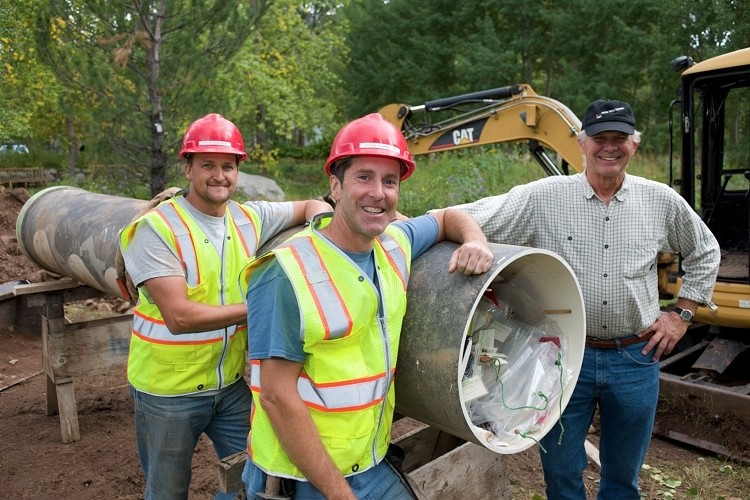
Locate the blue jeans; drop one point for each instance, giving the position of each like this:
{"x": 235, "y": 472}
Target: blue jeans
{"x": 167, "y": 430}
{"x": 625, "y": 385}
{"x": 379, "y": 483}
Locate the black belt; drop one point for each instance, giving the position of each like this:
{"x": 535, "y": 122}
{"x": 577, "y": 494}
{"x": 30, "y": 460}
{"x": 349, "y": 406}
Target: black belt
{"x": 612, "y": 343}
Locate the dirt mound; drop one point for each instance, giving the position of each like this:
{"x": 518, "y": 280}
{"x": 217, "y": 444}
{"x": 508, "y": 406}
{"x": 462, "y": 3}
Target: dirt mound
{"x": 13, "y": 263}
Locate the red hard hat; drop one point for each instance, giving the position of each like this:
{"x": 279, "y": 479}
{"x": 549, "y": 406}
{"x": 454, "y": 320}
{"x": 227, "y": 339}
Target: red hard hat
{"x": 371, "y": 135}
{"x": 213, "y": 134}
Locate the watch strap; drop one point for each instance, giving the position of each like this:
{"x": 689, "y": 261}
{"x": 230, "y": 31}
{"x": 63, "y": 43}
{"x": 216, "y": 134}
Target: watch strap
{"x": 685, "y": 314}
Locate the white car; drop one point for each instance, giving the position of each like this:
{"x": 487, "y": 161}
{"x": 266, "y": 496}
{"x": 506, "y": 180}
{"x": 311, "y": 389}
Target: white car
{"x": 14, "y": 148}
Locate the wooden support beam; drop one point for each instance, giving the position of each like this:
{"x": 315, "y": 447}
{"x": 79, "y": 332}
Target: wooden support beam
{"x": 77, "y": 350}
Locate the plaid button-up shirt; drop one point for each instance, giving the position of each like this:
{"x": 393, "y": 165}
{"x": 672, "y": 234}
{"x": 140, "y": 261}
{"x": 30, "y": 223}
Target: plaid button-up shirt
{"x": 612, "y": 248}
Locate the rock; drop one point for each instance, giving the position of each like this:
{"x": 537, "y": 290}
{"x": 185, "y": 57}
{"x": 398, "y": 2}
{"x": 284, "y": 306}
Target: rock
{"x": 21, "y": 194}
{"x": 257, "y": 187}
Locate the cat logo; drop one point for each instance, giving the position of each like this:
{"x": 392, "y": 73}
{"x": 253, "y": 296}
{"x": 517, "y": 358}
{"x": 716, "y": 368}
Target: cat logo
{"x": 463, "y": 136}
{"x": 468, "y": 133}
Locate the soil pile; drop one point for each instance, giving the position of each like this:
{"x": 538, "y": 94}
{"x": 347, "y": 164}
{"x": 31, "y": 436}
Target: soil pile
{"x": 13, "y": 263}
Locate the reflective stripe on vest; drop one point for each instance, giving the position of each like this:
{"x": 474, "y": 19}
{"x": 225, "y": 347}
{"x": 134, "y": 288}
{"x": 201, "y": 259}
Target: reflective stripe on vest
{"x": 245, "y": 228}
{"x": 396, "y": 256}
{"x": 162, "y": 363}
{"x": 183, "y": 242}
{"x": 342, "y": 396}
{"x": 155, "y": 330}
{"x": 328, "y": 301}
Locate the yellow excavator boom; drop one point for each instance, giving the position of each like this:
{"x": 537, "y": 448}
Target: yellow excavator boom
{"x": 505, "y": 114}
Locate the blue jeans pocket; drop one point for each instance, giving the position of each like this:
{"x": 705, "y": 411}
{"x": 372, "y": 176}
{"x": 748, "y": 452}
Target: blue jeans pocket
{"x": 634, "y": 354}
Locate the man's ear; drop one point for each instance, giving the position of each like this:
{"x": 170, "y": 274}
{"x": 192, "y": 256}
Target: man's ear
{"x": 335, "y": 188}
{"x": 188, "y": 171}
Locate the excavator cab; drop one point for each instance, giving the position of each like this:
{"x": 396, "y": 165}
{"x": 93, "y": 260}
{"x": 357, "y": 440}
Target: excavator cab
{"x": 705, "y": 385}
{"x": 715, "y": 173}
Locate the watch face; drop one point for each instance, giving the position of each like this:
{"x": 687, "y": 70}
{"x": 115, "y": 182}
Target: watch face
{"x": 686, "y": 315}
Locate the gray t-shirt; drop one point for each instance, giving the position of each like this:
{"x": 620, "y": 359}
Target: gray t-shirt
{"x": 148, "y": 256}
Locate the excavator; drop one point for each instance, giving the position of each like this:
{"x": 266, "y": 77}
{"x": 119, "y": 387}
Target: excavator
{"x": 705, "y": 385}
{"x": 506, "y": 114}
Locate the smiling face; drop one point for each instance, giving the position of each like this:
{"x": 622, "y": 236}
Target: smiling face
{"x": 366, "y": 201}
{"x": 213, "y": 180}
{"x": 607, "y": 155}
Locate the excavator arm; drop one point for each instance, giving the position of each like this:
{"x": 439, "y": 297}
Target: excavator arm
{"x": 506, "y": 114}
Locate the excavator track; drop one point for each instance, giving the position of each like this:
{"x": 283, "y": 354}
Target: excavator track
{"x": 704, "y": 395}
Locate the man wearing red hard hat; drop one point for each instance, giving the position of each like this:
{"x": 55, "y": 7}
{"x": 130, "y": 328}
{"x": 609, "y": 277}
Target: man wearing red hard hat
{"x": 324, "y": 320}
{"x": 189, "y": 341}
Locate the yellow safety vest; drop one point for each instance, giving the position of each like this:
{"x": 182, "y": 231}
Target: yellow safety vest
{"x": 347, "y": 378}
{"x": 165, "y": 364}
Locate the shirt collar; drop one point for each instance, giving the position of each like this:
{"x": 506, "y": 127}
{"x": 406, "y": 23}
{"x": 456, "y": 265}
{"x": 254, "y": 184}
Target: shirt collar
{"x": 620, "y": 195}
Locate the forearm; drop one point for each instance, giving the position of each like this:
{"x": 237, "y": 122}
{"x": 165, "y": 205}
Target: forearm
{"x": 474, "y": 255}
{"x": 306, "y": 210}
{"x": 461, "y": 227}
{"x": 183, "y": 315}
{"x": 198, "y": 317}
{"x": 301, "y": 441}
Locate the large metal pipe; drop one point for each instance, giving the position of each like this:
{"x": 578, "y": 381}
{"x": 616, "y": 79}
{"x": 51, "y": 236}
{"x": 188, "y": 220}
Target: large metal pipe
{"x": 439, "y": 317}
{"x": 73, "y": 232}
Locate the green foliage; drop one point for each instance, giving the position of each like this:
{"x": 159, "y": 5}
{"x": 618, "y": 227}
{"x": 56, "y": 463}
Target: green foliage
{"x": 146, "y": 65}
{"x": 460, "y": 177}
{"x": 574, "y": 52}
{"x": 400, "y": 51}
{"x": 27, "y": 88}
{"x": 281, "y": 86}
{"x": 446, "y": 179}
{"x": 36, "y": 158}
{"x": 104, "y": 73}
{"x": 315, "y": 151}
{"x": 301, "y": 180}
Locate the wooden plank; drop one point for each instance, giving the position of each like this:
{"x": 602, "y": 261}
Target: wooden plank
{"x": 78, "y": 350}
{"x": 419, "y": 447}
{"x": 469, "y": 471}
{"x": 68, "y": 412}
{"x": 230, "y": 472}
{"x": 91, "y": 347}
{"x": 7, "y": 312}
{"x": 46, "y": 286}
{"x": 704, "y": 445}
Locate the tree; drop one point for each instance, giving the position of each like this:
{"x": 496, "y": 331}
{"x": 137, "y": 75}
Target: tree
{"x": 146, "y": 66}
{"x": 281, "y": 85}
{"x": 28, "y": 90}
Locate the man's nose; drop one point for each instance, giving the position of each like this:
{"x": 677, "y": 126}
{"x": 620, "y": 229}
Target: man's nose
{"x": 377, "y": 190}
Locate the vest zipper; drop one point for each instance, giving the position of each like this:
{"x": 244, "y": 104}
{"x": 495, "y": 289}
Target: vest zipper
{"x": 222, "y": 299}
{"x": 386, "y": 386}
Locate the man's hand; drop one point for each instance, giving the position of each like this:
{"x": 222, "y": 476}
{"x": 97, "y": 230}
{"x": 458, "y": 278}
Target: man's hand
{"x": 668, "y": 330}
{"x": 296, "y": 430}
{"x": 473, "y": 257}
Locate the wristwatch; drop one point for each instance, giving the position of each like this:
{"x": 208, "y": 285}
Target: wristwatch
{"x": 685, "y": 315}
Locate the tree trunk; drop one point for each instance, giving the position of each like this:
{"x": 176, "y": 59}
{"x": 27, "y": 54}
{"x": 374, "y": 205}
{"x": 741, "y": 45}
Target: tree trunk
{"x": 261, "y": 139}
{"x": 158, "y": 155}
{"x": 72, "y": 147}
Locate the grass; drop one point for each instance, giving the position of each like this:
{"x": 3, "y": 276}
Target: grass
{"x": 707, "y": 478}
{"x": 446, "y": 179}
